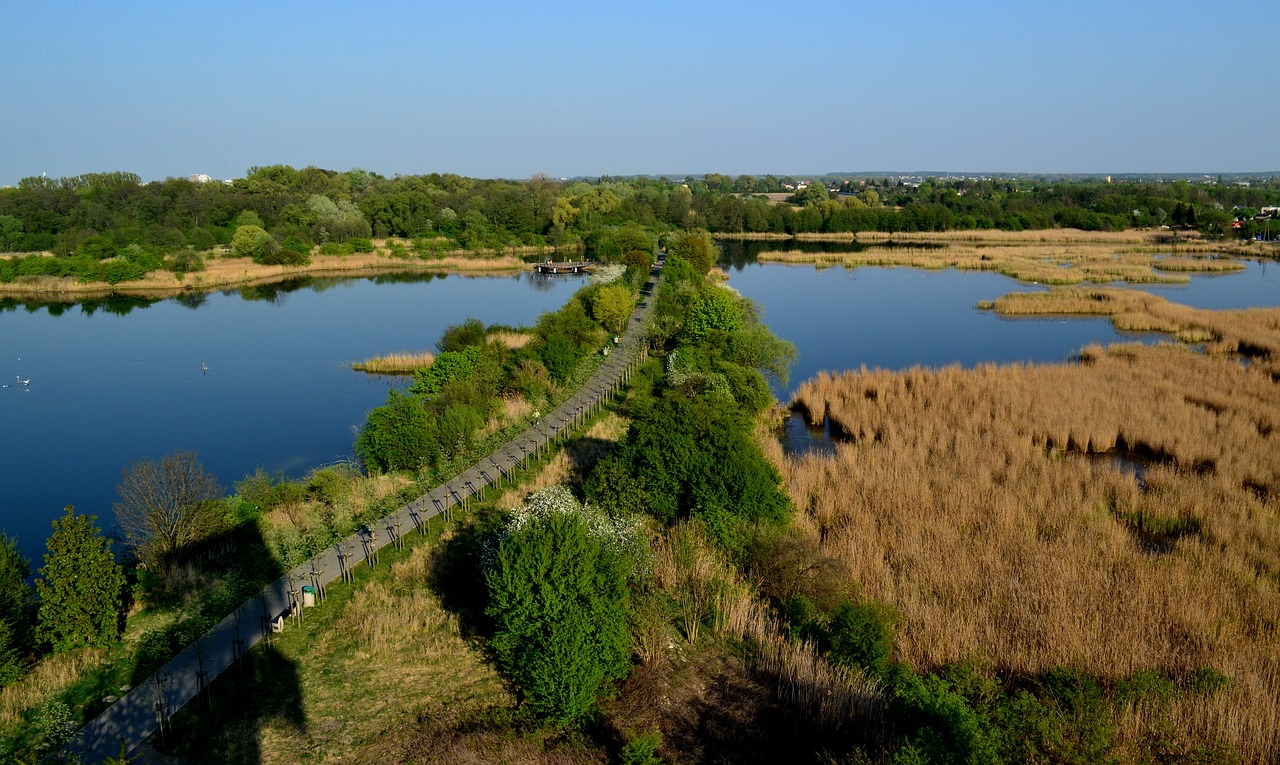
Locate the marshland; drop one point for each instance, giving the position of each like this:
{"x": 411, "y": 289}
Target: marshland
{"x": 1114, "y": 509}
{"x": 1038, "y": 525}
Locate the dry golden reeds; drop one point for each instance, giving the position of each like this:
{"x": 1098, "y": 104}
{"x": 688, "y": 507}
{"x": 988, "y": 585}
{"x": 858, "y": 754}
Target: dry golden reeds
{"x": 709, "y": 593}
{"x": 1058, "y": 256}
{"x": 385, "y": 617}
{"x": 512, "y": 340}
{"x": 398, "y": 363}
{"x": 1254, "y": 332}
{"x": 968, "y": 500}
{"x": 47, "y": 679}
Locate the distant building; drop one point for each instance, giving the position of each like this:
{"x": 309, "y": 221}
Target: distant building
{"x": 199, "y": 178}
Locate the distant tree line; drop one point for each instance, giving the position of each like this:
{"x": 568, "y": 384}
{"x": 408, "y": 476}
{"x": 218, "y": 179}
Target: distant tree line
{"x": 112, "y": 227}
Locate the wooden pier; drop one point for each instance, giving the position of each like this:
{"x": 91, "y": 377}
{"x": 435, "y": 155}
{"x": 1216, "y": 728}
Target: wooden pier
{"x": 563, "y": 267}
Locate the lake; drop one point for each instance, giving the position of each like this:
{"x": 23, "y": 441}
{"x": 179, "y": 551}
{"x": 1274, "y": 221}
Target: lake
{"x": 896, "y": 318}
{"x": 120, "y": 380}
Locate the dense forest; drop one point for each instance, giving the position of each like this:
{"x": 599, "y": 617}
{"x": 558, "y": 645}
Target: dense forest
{"x": 112, "y": 227}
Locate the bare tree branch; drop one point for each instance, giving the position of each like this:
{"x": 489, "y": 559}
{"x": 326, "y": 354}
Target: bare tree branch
{"x": 166, "y": 506}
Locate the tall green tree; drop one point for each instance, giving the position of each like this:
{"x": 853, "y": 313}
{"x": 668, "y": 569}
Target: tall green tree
{"x": 612, "y": 306}
{"x": 697, "y": 248}
{"x": 80, "y": 586}
{"x": 10, "y": 233}
{"x": 14, "y": 596}
{"x": 559, "y": 598}
{"x": 14, "y": 590}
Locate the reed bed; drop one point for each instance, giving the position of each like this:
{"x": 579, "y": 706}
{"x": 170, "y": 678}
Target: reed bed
{"x": 513, "y": 340}
{"x": 1062, "y": 263}
{"x": 1253, "y": 332}
{"x": 397, "y": 363}
{"x": 969, "y": 500}
{"x": 1036, "y": 236}
{"x": 708, "y": 593}
{"x": 1201, "y": 265}
{"x": 1054, "y": 257}
{"x": 47, "y": 679}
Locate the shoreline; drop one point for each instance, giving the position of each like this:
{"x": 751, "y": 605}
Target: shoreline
{"x": 232, "y": 273}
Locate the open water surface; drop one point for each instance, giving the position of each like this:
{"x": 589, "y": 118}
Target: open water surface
{"x": 116, "y": 381}
{"x": 897, "y": 318}
{"x": 120, "y": 380}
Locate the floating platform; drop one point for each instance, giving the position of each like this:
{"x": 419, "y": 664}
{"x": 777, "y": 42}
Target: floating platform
{"x": 563, "y": 267}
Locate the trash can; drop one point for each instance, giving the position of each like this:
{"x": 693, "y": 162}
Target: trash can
{"x": 308, "y": 596}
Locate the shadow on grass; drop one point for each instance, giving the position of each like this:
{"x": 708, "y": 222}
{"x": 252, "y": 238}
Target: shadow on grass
{"x": 219, "y": 573}
{"x": 226, "y": 723}
{"x": 458, "y": 570}
{"x": 583, "y": 454}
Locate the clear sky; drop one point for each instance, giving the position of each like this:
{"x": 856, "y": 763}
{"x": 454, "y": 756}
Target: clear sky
{"x": 495, "y": 89}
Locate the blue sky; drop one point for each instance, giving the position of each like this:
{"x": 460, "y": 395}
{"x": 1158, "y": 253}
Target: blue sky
{"x": 494, "y": 89}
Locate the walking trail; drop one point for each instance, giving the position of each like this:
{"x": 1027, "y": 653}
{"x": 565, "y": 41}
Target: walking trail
{"x": 141, "y": 711}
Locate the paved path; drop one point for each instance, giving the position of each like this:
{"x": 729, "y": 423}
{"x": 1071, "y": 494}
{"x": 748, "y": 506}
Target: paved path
{"x": 140, "y": 711}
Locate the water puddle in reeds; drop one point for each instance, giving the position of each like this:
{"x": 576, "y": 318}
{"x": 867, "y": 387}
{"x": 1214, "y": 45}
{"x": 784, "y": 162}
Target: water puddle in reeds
{"x": 799, "y": 438}
{"x": 1123, "y": 460}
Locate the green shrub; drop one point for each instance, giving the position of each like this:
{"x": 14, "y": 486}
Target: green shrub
{"x": 560, "y": 355}
{"x": 184, "y": 261}
{"x": 459, "y": 337}
{"x": 398, "y": 435}
{"x": 1207, "y": 680}
{"x": 296, "y": 244}
{"x": 861, "y": 635}
{"x": 12, "y": 665}
{"x": 360, "y": 244}
{"x": 448, "y": 367}
{"x": 1144, "y": 686}
{"x": 699, "y": 456}
{"x": 944, "y": 728}
{"x": 1066, "y": 720}
{"x": 558, "y": 597}
{"x": 641, "y": 749}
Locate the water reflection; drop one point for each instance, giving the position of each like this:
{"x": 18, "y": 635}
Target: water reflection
{"x": 737, "y": 254}
{"x": 111, "y": 383}
{"x": 897, "y": 318}
{"x": 798, "y": 437}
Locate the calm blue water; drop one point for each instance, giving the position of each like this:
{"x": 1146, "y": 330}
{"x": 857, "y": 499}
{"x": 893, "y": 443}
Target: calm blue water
{"x": 107, "y": 389}
{"x": 896, "y": 318}
{"x": 110, "y": 385}
{"x": 1257, "y": 286}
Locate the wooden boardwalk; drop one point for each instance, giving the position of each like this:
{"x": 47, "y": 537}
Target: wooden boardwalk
{"x": 141, "y": 711}
{"x": 563, "y": 267}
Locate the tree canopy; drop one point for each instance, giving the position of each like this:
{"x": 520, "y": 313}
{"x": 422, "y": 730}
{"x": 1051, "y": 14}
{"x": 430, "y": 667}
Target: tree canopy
{"x": 167, "y": 505}
{"x": 80, "y": 586}
{"x": 559, "y": 599}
